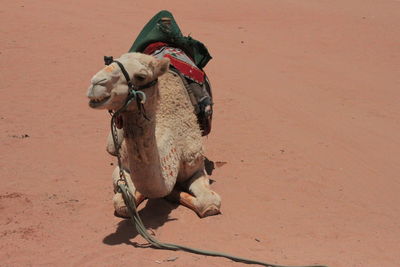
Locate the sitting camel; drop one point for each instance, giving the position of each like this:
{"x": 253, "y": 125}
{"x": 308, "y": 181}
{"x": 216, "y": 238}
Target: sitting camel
{"x": 162, "y": 156}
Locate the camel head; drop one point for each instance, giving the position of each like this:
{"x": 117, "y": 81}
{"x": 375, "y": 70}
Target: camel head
{"x": 109, "y": 88}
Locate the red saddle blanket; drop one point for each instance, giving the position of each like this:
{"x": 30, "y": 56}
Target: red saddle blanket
{"x": 179, "y": 60}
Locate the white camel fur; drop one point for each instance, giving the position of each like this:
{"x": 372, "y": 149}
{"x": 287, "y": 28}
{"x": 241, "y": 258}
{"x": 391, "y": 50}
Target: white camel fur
{"x": 160, "y": 153}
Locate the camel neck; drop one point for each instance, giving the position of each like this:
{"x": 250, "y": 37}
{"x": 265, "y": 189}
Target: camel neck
{"x": 143, "y": 155}
{"x": 138, "y": 129}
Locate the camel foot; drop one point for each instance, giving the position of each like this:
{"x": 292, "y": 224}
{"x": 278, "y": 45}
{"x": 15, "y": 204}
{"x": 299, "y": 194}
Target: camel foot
{"x": 122, "y": 213}
{"x": 210, "y": 211}
{"x": 120, "y": 209}
{"x": 193, "y": 203}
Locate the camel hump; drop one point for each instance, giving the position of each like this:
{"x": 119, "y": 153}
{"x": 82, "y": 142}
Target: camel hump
{"x": 161, "y": 37}
{"x": 195, "y": 80}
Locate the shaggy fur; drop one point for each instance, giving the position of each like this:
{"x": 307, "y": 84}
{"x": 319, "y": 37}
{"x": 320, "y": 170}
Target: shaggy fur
{"x": 168, "y": 149}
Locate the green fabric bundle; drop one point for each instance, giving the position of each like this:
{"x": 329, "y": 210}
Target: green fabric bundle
{"x": 163, "y": 28}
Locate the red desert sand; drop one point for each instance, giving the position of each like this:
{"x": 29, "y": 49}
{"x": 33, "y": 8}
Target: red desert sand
{"x": 307, "y": 119}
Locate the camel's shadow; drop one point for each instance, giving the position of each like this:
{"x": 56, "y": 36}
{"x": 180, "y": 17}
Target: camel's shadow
{"x": 154, "y": 214}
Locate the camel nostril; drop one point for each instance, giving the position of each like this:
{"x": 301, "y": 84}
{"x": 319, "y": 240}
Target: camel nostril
{"x": 90, "y": 92}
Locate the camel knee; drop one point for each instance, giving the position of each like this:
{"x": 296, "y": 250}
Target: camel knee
{"x": 118, "y": 201}
{"x": 117, "y": 178}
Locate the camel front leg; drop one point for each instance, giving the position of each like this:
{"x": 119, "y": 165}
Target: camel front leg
{"x": 201, "y": 199}
{"x": 119, "y": 205}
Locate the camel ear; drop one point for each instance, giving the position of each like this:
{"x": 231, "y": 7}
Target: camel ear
{"x": 161, "y": 66}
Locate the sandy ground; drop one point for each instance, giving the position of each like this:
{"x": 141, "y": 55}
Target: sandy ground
{"x": 306, "y": 117}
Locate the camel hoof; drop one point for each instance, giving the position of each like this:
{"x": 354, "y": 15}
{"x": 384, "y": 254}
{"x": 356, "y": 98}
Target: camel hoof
{"x": 122, "y": 212}
{"x": 210, "y": 211}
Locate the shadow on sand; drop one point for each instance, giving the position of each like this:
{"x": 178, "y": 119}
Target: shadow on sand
{"x": 154, "y": 215}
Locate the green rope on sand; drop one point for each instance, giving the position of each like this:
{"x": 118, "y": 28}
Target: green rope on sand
{"x": 141, "y": 229}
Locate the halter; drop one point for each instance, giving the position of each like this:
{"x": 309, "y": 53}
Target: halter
{"x": 134, "y": 92}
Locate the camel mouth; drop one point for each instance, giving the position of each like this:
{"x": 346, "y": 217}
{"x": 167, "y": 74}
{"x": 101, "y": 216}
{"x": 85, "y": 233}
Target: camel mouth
{"x": 97, "y": 102}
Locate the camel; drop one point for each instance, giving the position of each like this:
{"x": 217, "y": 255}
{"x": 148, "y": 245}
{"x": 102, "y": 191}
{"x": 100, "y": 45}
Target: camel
{"x": 163, "y": 155}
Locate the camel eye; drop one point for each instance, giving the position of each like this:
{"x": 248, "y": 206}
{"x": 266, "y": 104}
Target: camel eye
{"x": 140, "y": 77}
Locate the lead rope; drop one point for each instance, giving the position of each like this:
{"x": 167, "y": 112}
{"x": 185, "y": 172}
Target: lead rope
{"x": 137, "y": 222}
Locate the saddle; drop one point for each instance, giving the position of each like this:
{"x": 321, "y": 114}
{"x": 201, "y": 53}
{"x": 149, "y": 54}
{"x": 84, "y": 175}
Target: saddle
{"x": 161, "y": 37}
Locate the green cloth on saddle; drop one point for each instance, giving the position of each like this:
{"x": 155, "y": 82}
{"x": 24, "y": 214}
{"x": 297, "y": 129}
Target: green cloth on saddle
{"x": 163, "y": 28}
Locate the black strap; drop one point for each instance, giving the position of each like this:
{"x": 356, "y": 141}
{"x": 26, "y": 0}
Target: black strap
{"x": 109, "y": 60}
{"x": 128, "y": 79}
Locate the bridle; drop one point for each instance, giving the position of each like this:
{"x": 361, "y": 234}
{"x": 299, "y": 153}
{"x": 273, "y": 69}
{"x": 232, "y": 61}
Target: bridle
{"x": 134, "y": 92}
